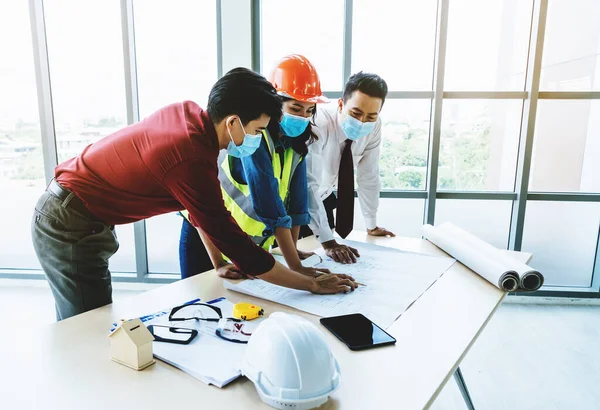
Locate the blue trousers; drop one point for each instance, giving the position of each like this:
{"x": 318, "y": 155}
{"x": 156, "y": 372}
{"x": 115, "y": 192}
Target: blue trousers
{"x": 193, "y": 257}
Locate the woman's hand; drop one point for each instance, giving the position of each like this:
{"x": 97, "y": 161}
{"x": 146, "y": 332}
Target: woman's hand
{"x": 229, "y": 271}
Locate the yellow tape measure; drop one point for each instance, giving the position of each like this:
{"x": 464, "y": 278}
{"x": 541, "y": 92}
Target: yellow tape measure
{"x": 247, "y": 311}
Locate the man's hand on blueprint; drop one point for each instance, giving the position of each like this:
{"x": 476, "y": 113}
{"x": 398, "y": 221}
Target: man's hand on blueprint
{"x": 379, "y": 231}
{"x": 339, "y": 252}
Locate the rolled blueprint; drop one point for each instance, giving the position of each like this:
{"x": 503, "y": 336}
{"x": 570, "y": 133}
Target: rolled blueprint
{"x": 529, "y": 278}
{"x": 488, "y": 268}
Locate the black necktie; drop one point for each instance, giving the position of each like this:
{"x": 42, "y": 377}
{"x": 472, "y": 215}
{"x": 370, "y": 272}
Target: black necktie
{"x": 345, "y": 203}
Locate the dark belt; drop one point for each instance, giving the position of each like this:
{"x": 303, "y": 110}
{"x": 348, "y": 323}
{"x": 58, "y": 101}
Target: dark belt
{"x": 74, "y": 203}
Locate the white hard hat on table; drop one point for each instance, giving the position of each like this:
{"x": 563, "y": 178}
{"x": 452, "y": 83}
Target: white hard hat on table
{"x": 290, "y": 363}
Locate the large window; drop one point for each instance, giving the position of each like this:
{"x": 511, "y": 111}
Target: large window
{"x": 85, "y": 53}
{"x": 457, "y": 155}
{"x": 21, "y": 162}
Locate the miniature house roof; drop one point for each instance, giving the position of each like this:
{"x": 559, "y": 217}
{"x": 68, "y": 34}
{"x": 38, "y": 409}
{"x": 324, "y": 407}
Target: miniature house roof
{"x": 135, "y": 330}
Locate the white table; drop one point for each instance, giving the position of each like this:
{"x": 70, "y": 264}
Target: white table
{"x": 66, "y": 365}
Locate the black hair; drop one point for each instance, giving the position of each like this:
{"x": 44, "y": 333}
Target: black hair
{"x": 368, "y": 83}
{"x": 244, "y": 93}
{"x": 299, "y": 143}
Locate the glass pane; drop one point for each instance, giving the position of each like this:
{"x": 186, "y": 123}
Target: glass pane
{"x": 124, "y": 259}
{"x": 410, "y": 27}
{"x": 487, "y": 44}
{"x": 178, "y": 61}
{"x": 571, "y": 60}
{"x": 88, "y": 84}
{"x": 566, "y": 147}
{"x": 489, "y": 220}
{"x": 163, "y": 243}
{"x": 319, "y": 36}
{"x": 403, "y": 157}
{"x": 21, "y": 163}
{"x": 562, "y": 237}
{"x": 402, "y": 216}
{"x": 479, "y": 144}
{"x": 87, "y": 74}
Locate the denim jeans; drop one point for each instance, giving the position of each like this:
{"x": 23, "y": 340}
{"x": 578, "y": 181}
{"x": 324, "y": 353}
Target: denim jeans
{"x": 193, "y": 257}
{"x": 73, "y": 251}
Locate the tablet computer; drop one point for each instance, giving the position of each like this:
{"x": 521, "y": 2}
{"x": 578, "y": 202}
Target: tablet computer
{"x": 357, "y": 331}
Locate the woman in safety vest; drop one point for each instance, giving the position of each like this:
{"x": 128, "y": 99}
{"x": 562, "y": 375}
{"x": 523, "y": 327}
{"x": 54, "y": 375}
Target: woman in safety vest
{"x": 265, "y": 187}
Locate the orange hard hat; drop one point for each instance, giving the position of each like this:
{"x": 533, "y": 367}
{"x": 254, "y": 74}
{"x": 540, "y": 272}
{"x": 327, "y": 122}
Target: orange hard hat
{"x": 295, "y": 77}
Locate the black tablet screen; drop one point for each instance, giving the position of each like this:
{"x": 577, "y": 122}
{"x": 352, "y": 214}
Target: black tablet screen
{"x": 357, "y": 331}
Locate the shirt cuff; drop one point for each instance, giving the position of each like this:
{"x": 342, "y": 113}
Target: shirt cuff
{"x": 300, "y": 219}
{"x": 325, "y": 234}
{"x": 283, "y": 222}
{"x": 370, "y": 223}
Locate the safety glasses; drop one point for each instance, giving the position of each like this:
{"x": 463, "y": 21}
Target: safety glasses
{"x": 170, "y": 334}
{"x": 229, "y": 329}
{"x": 197, "y": 311}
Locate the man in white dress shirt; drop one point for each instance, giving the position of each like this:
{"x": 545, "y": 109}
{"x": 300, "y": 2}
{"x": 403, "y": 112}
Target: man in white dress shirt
{"x": 349, "y": 136}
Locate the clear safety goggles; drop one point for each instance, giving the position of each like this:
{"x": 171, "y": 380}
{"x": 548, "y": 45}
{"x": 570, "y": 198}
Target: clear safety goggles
{"x": 230, "y": 329}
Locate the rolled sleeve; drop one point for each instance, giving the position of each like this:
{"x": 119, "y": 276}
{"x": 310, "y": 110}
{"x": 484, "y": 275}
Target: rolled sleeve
{"x": 283, "y": 222}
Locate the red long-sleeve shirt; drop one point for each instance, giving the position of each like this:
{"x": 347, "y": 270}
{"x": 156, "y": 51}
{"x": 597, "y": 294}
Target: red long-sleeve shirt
{"x": 165, "y": 163}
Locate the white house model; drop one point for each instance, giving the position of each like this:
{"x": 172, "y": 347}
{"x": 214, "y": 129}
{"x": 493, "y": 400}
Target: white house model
{"x": 131, "y": 344}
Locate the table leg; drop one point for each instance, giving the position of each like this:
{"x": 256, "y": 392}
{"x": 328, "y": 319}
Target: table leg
{"x": 462, "y": 386}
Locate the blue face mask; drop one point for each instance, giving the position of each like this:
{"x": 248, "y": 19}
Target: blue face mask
{"x": 356, "y": 129}
{"x": 293, "y": 125}
{"x": 248, "y": 147}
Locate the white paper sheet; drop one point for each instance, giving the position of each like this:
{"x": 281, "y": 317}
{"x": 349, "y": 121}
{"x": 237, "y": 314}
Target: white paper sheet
{"x": 207, "y": 358}
{"x": 394, "y": 279}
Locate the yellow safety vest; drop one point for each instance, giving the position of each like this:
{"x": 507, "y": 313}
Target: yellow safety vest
{"x": 237, "y": 195}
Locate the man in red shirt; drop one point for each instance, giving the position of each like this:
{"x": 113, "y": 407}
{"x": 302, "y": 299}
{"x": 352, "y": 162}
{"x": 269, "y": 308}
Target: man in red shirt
{"x": 166, "y": 162}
